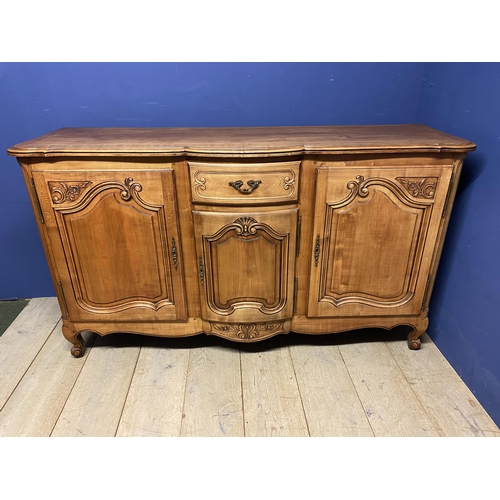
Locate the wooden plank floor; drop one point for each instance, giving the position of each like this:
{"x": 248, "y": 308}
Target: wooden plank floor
{"x": 365, "y": 383}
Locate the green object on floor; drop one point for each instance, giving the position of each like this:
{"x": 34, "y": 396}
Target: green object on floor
{"x": 9, "y": 310}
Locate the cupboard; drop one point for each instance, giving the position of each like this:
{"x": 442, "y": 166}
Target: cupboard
{"x": 244, "y": 233}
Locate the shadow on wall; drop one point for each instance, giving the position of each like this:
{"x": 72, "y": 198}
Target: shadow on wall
{"x": 473, "y": 168}
{"x": 474, "y": 165}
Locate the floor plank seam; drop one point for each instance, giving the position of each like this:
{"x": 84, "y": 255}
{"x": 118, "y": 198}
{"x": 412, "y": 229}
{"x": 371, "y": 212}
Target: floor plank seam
{"x": 242, "y": 399}
{"x": 432, "y": 419}
{"x": 128, "y": 388}
{"x": 357, "y": 393}
{"x": 30, "y": 364}
{"x": 298, "y": 389}
{"x": 439, "y": 400}
{"x": 188, "y": 364}
{"x": 89, "y": 346}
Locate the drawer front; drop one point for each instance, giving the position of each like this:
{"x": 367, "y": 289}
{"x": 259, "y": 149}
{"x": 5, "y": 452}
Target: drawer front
{"x": 244, "y": 184}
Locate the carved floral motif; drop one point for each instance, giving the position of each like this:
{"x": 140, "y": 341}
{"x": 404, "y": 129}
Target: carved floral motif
{"x": 247, "y": 331}
{"x": 420, "y": 187}
{"x": 70, "y": 191}
{"x": 67, "y": 190}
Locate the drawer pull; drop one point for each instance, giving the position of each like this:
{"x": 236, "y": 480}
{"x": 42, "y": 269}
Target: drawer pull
{"x": 238, "y": 186}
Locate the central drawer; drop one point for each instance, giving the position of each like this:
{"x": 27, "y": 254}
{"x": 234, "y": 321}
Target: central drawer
{"x": 244, "y": 183}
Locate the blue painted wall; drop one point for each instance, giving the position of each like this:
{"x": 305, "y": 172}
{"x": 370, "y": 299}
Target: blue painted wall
{"x": 36, "y": 98}
{"x": 464, "y": 99}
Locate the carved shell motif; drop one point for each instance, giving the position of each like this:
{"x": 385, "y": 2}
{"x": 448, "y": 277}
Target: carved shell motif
{"x": 245, "y": 226}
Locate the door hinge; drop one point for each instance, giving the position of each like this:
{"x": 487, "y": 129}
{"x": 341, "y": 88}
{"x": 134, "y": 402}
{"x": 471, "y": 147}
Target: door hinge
{"x": 448, "y": 195}
{"x": 37, "y": 201}
{"x": 174, "y": 253}
{"x": 201, "y": 271}
{"x": 295, "y": 293}
{"x": 316, "y": 251}
{"x": 426, "y": 291}
{"x": 63, "y": 298}
{"x": 299, "y": 226}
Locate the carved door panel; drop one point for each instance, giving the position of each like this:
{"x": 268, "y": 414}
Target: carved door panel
{"x": 246, "y": 264}
{"x": 114, "y": 238}
{"x": 374, "y": 239}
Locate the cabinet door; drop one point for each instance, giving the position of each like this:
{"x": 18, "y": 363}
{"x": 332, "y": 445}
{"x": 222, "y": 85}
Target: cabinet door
{"x": 247, "y": 264}
{"x": 374, "y": 238}
{"x": 115, "y": 243}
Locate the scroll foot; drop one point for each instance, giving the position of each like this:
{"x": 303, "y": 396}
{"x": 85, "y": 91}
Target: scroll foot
{"x": 68, "y": 330}
{"x": 414, "y": 344}
{"x": 78, "y": 350}
{"x": 419, "y": 329}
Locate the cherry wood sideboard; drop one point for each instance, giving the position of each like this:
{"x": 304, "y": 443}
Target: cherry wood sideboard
{"x": 244, "y": 233}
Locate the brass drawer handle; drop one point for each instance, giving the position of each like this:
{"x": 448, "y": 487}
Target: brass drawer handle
{"x": 237, "y": 185}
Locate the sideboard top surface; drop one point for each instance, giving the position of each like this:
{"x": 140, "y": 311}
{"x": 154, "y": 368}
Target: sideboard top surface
{"x": 246, "y": 141}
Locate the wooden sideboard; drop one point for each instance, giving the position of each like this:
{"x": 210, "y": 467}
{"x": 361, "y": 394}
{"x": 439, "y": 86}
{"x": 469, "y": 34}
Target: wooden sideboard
{"x": 244, "y": 233}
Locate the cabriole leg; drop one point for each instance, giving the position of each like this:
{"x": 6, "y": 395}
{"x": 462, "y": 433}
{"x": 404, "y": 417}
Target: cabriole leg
{"x": 75, "y": 338}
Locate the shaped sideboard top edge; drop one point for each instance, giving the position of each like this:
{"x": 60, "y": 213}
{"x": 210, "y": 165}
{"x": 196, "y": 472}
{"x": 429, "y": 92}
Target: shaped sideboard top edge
{"x": 240, "y": 141}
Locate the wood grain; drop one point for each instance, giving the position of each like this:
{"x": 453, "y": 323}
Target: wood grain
{"x": 359, "y": 212}
{"x": 379, "y": 384}
{"x": 159, "y": 377}
{"x": 213, "y": 183}
{"x": 452, "y": 407}
{"x": 213, "y": 400}
{"x": 35, "y": 406}
{"x": 262, "y": 245}
{"x": 331, "y": 403}
{"x": 22, "y": 341}
{"x": 272, "y": 402}
{"x": 249, "y": 140}
{"x": 113, "y": 243}
{"x": 314, "y": 383}
{"x": 96, "y": 402}
{"x": 242, "y": 233}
